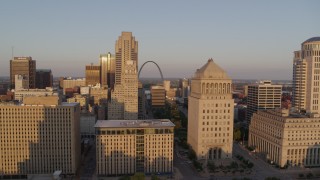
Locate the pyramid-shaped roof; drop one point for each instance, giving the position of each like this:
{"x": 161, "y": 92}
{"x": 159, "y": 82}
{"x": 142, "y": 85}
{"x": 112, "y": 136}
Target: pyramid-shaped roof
{"x": 211, "y": 71}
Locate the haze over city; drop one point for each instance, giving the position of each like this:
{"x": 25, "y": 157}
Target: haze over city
{"x": 249, "y": 39}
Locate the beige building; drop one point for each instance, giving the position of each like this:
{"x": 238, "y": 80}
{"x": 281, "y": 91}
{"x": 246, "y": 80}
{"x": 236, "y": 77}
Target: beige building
{"x": 20, "y": 94}
{"x": 264, "y": 95}
{"x": 124, "y": 97}
{"x": 107, "y": 72}
{"x": 83, "y": 100}
{"x": 166, "y": 85}
{"x": 71, "y": 83}
{"x": 39, "y": 137}
{"x": 25, "y": 66}
{"x": 92, "y": 75}
{"x": 21, "y": 82}
{"x": 130, "y": 146}
{"x": 99, "y": 94}
{"x": 306, "y": 76}
{"x": 286, "y": 139}
{"x": 158, "y": 96}
{"x": 210, "y": 114}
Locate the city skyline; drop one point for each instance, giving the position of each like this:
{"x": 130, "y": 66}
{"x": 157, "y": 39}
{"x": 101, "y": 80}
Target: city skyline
{"x": 244, "y": 37}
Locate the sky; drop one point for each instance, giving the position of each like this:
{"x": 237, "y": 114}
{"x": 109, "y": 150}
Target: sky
{"x": 250, "y": 39}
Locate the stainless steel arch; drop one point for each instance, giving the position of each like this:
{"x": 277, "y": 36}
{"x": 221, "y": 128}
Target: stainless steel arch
{"x": 153, "y": 63}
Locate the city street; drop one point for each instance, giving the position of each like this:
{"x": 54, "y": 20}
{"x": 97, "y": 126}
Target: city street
{"x": 88, "y": 164}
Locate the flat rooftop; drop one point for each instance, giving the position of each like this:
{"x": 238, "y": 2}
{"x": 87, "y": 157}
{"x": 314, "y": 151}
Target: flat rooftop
{"x": 134, "y": 123}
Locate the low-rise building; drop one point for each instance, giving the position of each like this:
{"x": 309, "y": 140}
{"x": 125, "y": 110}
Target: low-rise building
{"x": 130, "y": 146}
{"x": 19, "y": 94}
{"x": 286, "y": 138}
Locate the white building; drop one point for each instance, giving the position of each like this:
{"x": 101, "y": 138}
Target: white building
{"x": 306, "y": 76}
{"x": 210, "y": 114}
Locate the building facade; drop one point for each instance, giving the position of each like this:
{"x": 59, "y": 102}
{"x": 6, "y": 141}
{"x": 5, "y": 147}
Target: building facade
{"x": 158, "y": 96}
{"x": 286, "y": 139}
{"x": 44, "y": 78}
{"x": 262, "y": 96}
{"x": 210, "y": 113}
{"x": 39, "y": 137}
{"x": 21, "y": 82}
{"x": 71, "y": 83}
{"x": 141, "y": 102}
{"x": 24, "y": 66}
{"x": 92, "y": 75}
{"x": 124, "y": 97}
{"x": 107, "y": 71}
{"x": 20, "y": 94}
{"x": 306, "y": 76}
{"x": 130, "y": 146}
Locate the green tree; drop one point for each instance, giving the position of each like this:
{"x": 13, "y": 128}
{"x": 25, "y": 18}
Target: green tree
{"x": 191, "y": 154}
{"x": 237, "y": 134}
{"x": 154, "y": 177}
{"x": 138, "y": 176}
{"x": 124, "y": 178}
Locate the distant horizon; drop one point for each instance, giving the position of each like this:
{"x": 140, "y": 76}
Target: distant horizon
{"x": 248, "y": 39}
{"x": 74, "y": 77}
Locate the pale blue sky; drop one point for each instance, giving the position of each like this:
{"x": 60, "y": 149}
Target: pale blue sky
{"x": 249, "y": 39}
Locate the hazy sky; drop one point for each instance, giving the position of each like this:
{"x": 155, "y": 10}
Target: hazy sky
{"x": 249, "y": 39}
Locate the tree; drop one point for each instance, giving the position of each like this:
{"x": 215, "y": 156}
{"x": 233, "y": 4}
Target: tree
{"x": 154, "y": 177}
{"x": 124, "y": 178}
{"x": 211, "y": 166}
{"x": 138, "y": 176}
{"x": 192, "y": 154}
{"x": 309, "y": 175}
{"x": 237, "y": 134}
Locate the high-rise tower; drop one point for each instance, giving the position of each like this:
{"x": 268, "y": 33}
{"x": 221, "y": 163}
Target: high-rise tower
{"x": 24, "y": 66}
{"x": 306, "y": 76}
{"x": 210, "y": 114}
{"x": 124, "y": 97}
{"x": 107, "y": 71}
{"x": 262, "y": 96}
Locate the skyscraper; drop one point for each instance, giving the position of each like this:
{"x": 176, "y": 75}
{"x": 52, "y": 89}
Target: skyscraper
{"x": 210, "y": 114}
{"x": 43, "y": 137}
{"x": 124, "y": 97}
{"x": 306, "y": 76}
{"x": 43, "y": 78}
{"x": 92, "y": 75}
{"x": 262, "y": 96}
{"x": 107, "y": 71}
{"x": 23, "y": 66}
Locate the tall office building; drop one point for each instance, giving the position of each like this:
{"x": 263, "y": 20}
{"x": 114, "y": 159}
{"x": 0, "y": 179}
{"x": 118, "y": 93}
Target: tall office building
{"x": 40, "y": 136}
{"x": 130, "y": 146}
{"x": 92, "y": 75}
{"x": 262, "y": 96}
{"x": 210, "y": 114}
{"x": 107, "y": 71}
{"x": 25, "y": 66}
{"x": 44, "y": 78}
{"x": 166, "y": 85}
{"x": 306, "y": 76}
{"x": 184, "y": 87}
{"x": 124, "y": 97}
{"x": 141, "y": 102}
